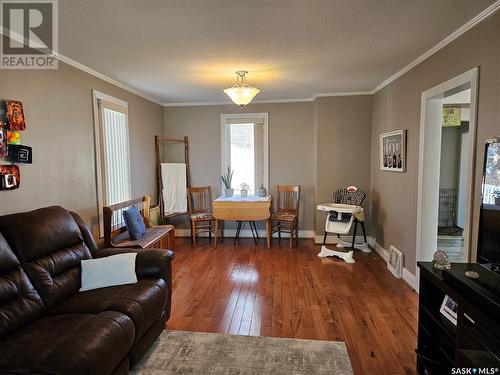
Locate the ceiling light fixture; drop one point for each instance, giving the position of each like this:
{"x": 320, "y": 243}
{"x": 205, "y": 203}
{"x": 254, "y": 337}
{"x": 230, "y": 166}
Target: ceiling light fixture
{"x": 241, "y": 94}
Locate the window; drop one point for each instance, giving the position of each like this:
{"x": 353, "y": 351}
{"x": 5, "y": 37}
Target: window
{"x": 112, "y": 153}
{"x": 245, "y": 149}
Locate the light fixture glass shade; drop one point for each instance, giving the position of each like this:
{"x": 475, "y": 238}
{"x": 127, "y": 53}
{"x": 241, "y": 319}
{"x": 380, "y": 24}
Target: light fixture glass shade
{"x": 242, "y": 95}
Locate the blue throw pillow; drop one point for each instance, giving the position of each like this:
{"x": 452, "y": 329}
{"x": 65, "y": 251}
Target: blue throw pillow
{"x": 134, "y": 223}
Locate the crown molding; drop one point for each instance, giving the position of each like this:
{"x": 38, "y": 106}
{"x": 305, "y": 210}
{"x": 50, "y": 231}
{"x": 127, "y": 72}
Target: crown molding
{"x": 457, "y": 33}
{"x": 450, "y": 38}
{"x": 192, "y": 104}
{"x": 271, "y": 101}
{"x": 353, "y": 93}
{"x": 95, "y": 73}
{"x": 443, "y": 43}
{"x": 291, "y": 100}
{"x": 86, "y": 69}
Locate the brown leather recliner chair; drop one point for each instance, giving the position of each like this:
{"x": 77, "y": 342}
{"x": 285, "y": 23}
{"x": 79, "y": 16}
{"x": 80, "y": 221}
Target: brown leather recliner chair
{"x": 47, "y": 326}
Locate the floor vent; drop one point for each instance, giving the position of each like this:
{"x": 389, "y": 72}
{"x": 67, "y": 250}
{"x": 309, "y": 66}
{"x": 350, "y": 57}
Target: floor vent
{"x": 395, "y": 262}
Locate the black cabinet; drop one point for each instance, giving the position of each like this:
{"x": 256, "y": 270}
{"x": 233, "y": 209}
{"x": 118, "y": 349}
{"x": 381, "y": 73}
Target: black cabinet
{"x": 473, "y": 342}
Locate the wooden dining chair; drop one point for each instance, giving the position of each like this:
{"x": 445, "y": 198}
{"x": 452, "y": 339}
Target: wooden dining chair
{"x": 286, "y": 218}
{"x": 200, "y": 212}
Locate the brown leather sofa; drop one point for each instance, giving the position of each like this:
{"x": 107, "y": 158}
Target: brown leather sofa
{"x": 47, "y": 326}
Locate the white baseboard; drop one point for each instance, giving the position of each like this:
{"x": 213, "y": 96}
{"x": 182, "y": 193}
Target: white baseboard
{"x": 410, "y": 278}
{"x": 407, "y": 276}
{"x": 303, "y": 233}
{"x": 384, "y": 254}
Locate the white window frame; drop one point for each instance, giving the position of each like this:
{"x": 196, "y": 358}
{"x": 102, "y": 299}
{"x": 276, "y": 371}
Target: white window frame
{"x": 97, "y": 96}
{"x": 225, "y": 119}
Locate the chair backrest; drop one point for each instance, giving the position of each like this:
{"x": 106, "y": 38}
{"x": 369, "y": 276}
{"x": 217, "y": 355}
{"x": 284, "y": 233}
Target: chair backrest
{"x": 199, "y": 199}
{"x": 345, "y": 196}
{"x": 289, "y": 198}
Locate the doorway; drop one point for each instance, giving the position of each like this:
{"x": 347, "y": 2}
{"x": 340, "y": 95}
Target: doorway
{"x": 453, "y": 174}
{"x": 446, "y": 168}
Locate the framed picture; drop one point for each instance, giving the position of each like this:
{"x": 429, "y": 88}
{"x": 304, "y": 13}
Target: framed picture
{"x": 449, "y": 309}
{"x": 20, "y": 154}
{"x": 4, "y": 151}
{"x": 393, "y": 151}
{"x": 10, "y": 177}
{"x": 451, "y": 116}
{"x": 15, "y": 115}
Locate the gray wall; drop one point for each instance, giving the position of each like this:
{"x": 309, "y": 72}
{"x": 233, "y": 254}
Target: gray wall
{"x": 58, "y": 111}
{"x": 321, "y": 145}
{"x": 343, "y": 131}
{"x": 397, "y": 106}
{"x": 290, "y": 147}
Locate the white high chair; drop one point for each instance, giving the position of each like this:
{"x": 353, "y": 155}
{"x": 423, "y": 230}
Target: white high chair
{"x": 345, "y": 211}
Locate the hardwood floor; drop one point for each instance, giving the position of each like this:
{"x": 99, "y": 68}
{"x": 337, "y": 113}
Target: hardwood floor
{"x": 282, "y": 292}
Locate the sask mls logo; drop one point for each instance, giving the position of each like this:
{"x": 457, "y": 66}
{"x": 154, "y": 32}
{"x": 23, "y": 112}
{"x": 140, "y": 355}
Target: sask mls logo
{"x": 29, "y": 34}
{"x": 474, "y": 371}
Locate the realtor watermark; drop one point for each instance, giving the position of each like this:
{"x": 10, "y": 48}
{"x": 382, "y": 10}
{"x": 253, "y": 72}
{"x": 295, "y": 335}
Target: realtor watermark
{"x": 29, "y": 34}
{"x": 475, "y": 371}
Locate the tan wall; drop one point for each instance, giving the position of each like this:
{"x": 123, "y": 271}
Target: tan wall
{"x": 397, "y": 106}
{"x": 58, "y": 110}
{"x": 290, "y": 147}
{"x": 313, "y": 144}
{"x": 343, "y": 132}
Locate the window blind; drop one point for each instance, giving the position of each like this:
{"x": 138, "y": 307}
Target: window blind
{"x": 115, "y": 163}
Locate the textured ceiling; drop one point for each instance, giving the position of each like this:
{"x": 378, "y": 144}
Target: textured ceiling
{"x": 188, "y": 51}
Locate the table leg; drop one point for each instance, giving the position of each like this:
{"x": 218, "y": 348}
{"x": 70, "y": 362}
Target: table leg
{"x": 256, "y": 231}
{"x": 255, "y": 234}
{"x": 216, "y": 230}
{"x": 237, "y": 236}
{"x": 268, "y": 233}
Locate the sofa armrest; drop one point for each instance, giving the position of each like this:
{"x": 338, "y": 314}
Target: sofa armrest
{"x": 150, "y": 263}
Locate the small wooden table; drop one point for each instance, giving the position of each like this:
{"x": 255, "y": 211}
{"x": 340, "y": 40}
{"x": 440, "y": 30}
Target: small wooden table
{"x": 243, "y": 209}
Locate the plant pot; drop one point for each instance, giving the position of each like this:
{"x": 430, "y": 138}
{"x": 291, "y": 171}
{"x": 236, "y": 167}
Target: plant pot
{"x": 497, "y": 201}
{"x": 261, "y": 192}
{"x": 229, "y": 192}
{"x": 244, "y": 193}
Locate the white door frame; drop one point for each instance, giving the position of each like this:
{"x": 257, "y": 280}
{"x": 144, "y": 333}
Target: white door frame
{"x": 425, "y": 199}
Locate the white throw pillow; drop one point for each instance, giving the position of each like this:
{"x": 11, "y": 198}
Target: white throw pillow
{"x": 109, "y": 271}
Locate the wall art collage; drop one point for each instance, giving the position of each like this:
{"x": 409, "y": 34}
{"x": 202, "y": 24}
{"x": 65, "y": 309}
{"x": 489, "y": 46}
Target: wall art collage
{"x": 12, "y": 123}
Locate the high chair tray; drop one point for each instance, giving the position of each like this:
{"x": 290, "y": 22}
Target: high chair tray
{"x": 339, "y": 207}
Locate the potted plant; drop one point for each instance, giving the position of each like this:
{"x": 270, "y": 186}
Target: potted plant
{"x": 226, "y": 180}
{"x": 244, "y": 189}
{"x": 496, "y": 197}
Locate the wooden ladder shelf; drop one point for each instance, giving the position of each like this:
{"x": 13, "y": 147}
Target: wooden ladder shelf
{"x": 159, "y": 182}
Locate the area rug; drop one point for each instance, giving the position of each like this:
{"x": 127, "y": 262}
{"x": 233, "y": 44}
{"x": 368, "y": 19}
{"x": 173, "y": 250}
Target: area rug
{"x": 179, "y": 352}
